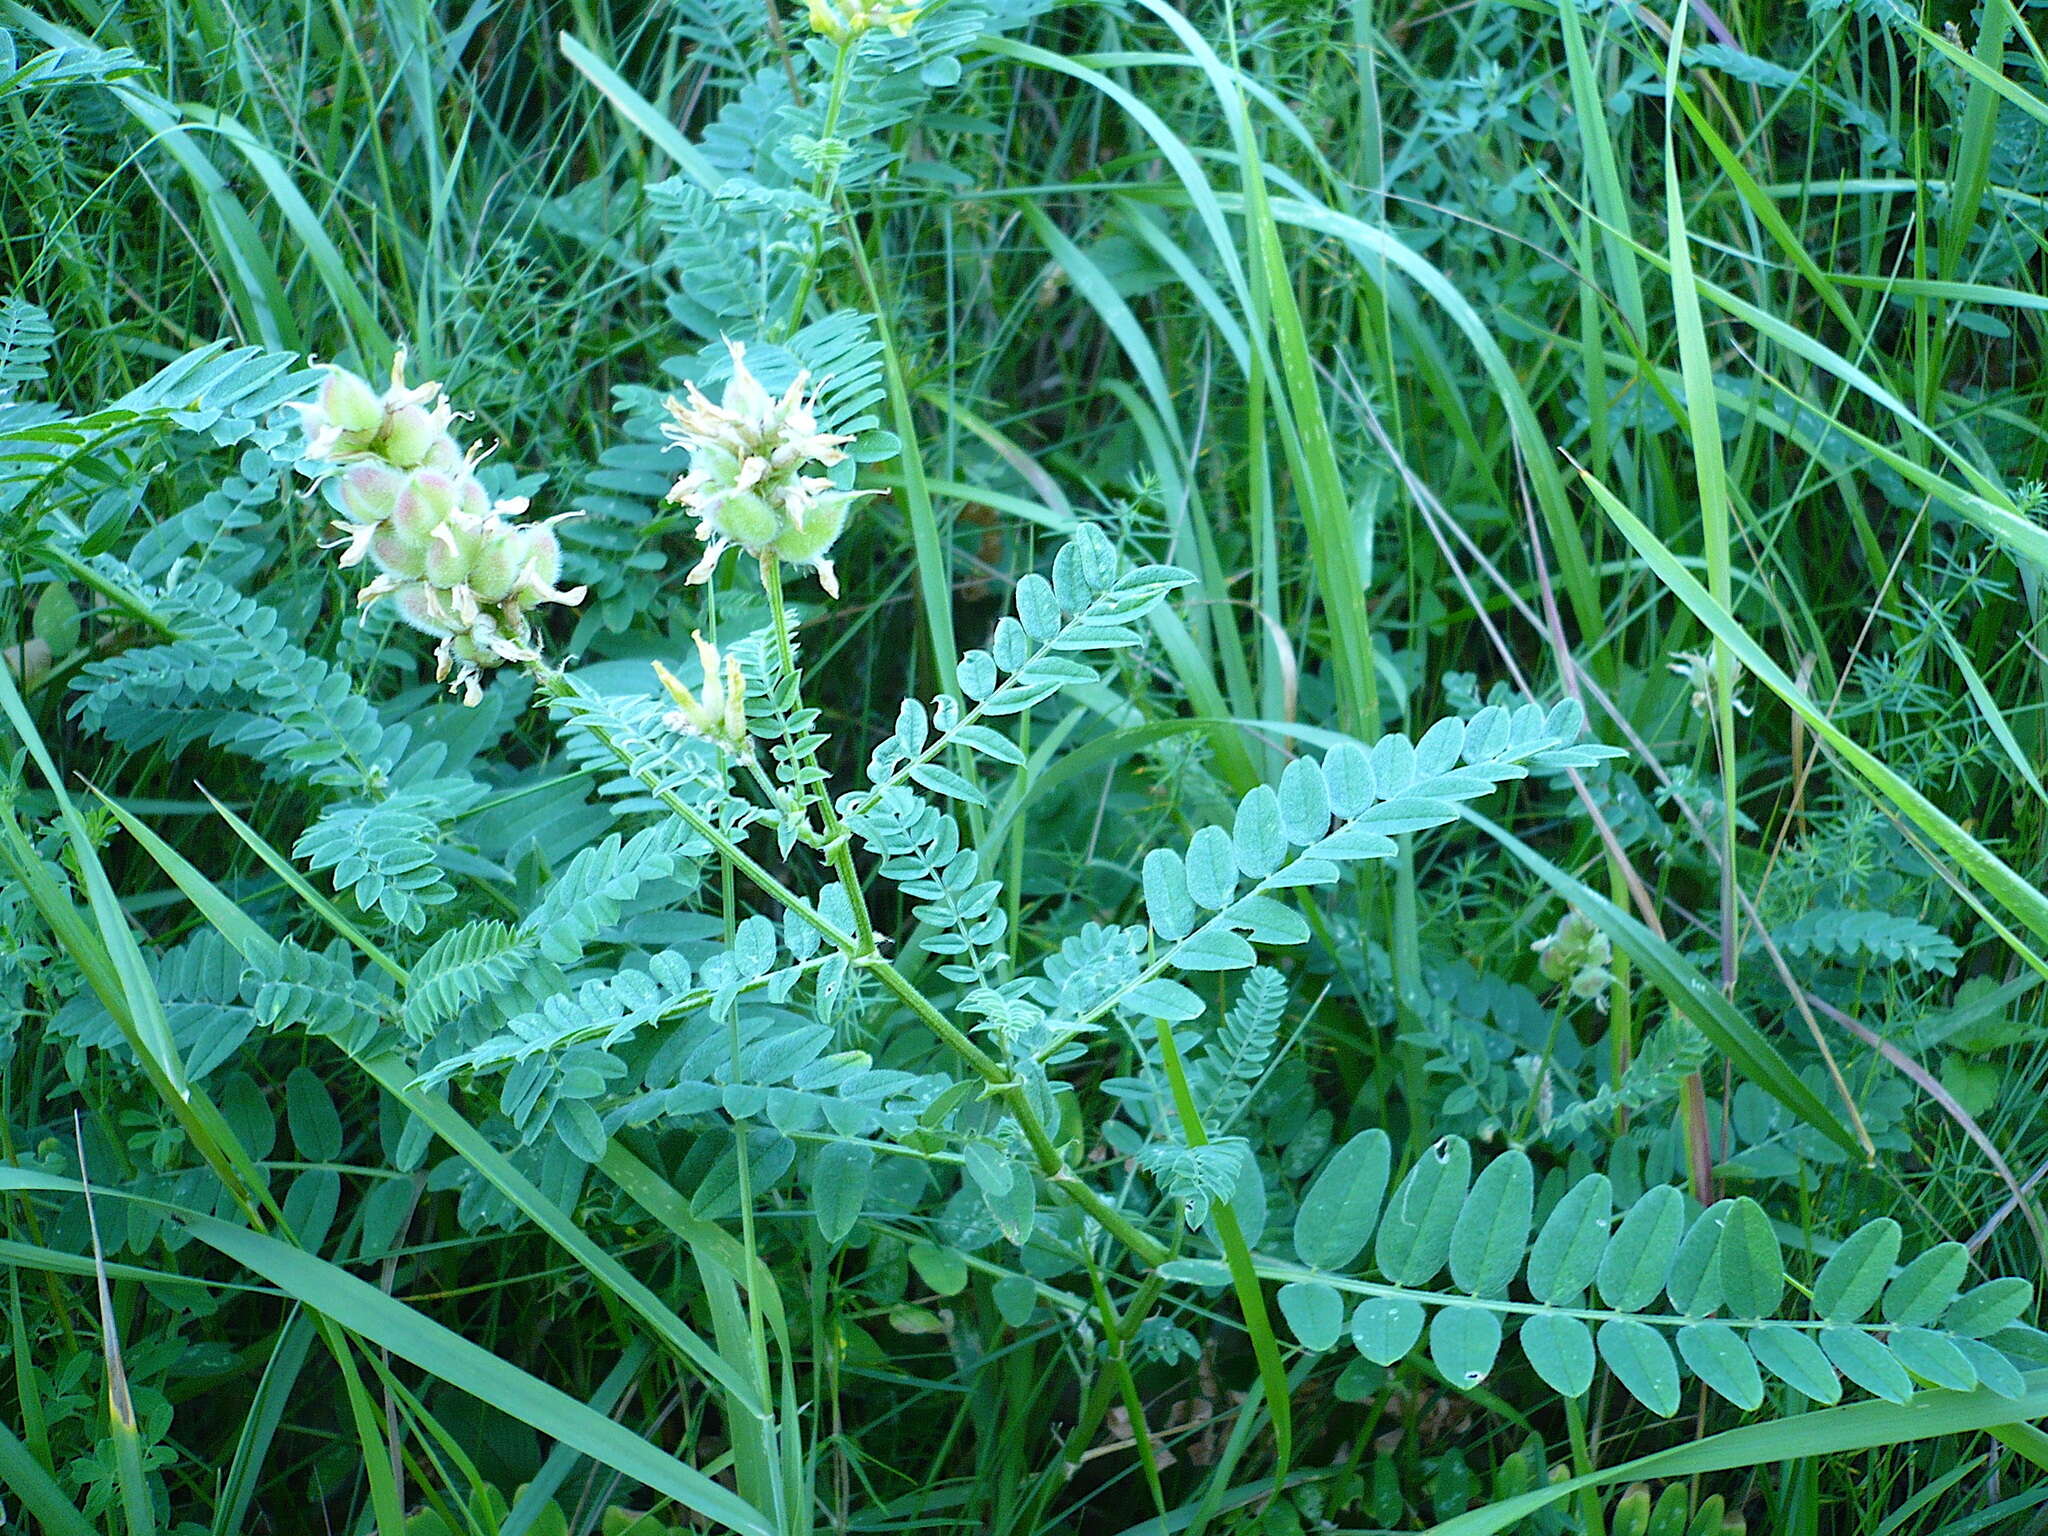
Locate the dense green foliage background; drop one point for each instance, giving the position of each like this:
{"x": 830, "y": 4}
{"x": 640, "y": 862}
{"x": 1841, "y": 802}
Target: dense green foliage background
{"x": 1456, "y": 357}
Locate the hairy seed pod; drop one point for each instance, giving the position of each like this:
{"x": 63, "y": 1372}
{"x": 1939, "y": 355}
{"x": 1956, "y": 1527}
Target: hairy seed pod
{"x": 370, "y": 490}
{"x": 429, "y": 497}
{"x": 823, "y": 523}
{"x": 451, "y": 551}
{"x": 409, "y": 436}
{"x": 397, "y": 553}
{"x": 500, "y": 561}
{"x": 421, "y": 607}
{"x": 746, "y": 519}
{"x": 349, "y": 403}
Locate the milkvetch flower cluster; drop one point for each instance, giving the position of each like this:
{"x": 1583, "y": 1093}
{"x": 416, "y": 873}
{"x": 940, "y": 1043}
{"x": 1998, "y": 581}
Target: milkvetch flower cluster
{"x": 1576, "y": 956}
{"x": 747, "y": 482}
{"x": 455, "y": 564}
{"x": 843, "y": 21}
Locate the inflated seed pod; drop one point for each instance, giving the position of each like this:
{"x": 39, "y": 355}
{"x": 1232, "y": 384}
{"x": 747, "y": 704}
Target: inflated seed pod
{"x": 409, "y": 435}
{"x": 421, "y": 607}
{"x": 501, "y": 556}
{"x": 428, "y": 497}
{"x": 398, "y": 553}
{"x": 370, "y": 490}
{"x": 746, "y": 519}
{"x": 452, "y": 550}
{"x": 349, "y": 403}
{"x": 824, "y": 520}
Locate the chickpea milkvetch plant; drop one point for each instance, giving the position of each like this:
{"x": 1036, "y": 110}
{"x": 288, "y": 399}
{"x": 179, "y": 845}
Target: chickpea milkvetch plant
{"x": 786, "y": 1019}
{"x": 740, "y": 1042}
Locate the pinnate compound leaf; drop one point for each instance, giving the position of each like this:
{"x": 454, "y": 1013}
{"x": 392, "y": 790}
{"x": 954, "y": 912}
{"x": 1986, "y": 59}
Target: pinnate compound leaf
{"x": 1339, "y": 1212}
{"x": 1868, "y": 1363}
{"x": 1493, "y": 1228}
{"x": 1854, "y": 1276}
{"x": 1642, "y": 1361}
{"x": 1984, "y": 1309}
{"x": 1560, "y": 1349}
{"x": 839, "y": 1187}
{"x": 1752, "y": 1265}
{"x": 1933, "y": 1357}
{"x": 1695, "y": 1283}
{"x": 1922, "y": 1291}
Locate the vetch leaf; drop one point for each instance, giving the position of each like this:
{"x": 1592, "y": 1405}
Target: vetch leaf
{"x": 1168, "y": 907}
{"x": 1752, "y": 1265}
{"x": 839, "y": 1186}
{"x": 1792, "y": 1355}
{"x": 1923, "y": 1290}
{"x": 1415, "y": 1234}
{"x": 1984, "y": 1309}
{"x": 1695, "y": 1282}
{"x": 1567, "y": 1251}
{"x": 1933, "y": 1358}
{"x": 1718, "y": 1357}
{"x": 1255, "y": 835}
{"x": 1493, "y": 1228}
{"x": 1642, "y": 1361}
{"x": 1385, "y": 1328}
{"x": 1304, "y": 802}
{"x": 1315, "y": 1311}
{"x": 1639, "y": 1256}
{"x": 1854, "y": 1276}
{"x": 1868, "y": 1363}
{"x": 1560, "y": 1349}
{"x": 1339, "y": 1211}
{"x": 1211, "y": 869}
{"x": 1464, "y": 1341}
